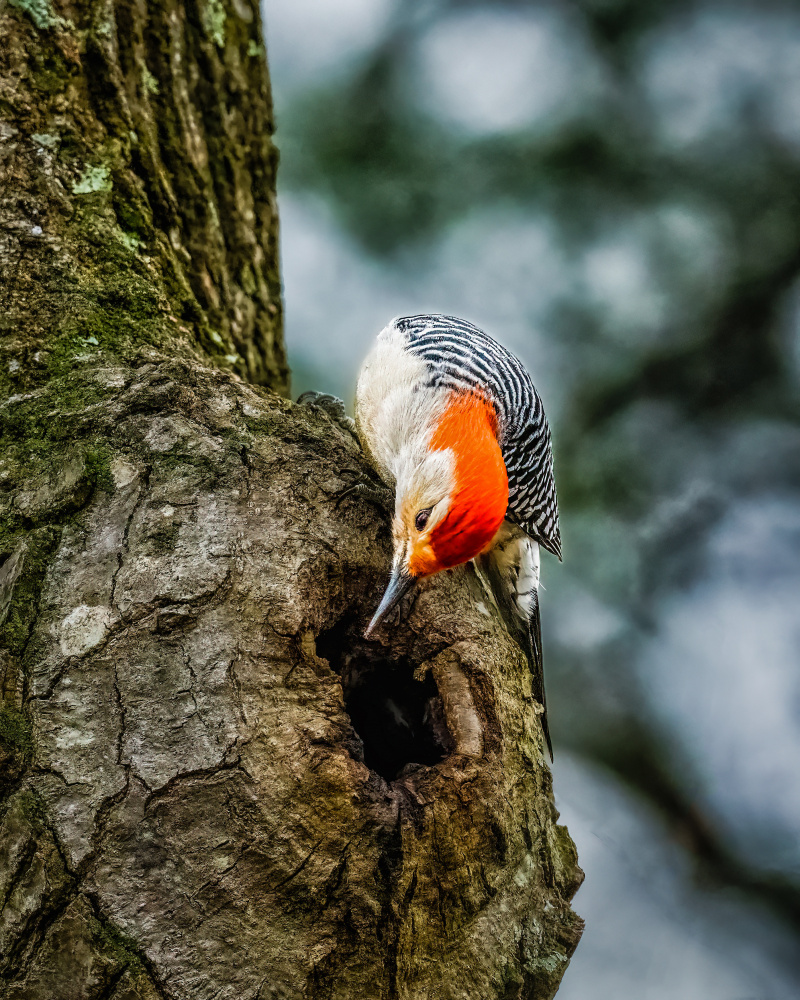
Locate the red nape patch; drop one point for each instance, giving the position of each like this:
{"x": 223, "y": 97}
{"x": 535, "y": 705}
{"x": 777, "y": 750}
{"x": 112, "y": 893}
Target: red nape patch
{"x": 469, "y": 428}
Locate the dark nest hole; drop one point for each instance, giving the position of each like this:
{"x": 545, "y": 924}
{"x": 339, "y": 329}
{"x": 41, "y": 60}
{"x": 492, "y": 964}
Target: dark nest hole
{"x": 399, "y": 721}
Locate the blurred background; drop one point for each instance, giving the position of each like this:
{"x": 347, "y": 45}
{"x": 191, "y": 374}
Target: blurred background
{"x": 612, "y": 189}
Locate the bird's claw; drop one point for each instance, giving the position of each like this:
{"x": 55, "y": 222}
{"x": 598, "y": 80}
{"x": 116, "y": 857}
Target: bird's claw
{"x": 378, "y": 495}
{"x": 333, "y": 406}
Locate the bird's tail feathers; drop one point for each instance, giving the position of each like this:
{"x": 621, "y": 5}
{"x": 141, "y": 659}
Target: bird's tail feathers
{"x": 536, "y": 661}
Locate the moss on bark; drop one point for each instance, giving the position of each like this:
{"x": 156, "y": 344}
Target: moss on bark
{"x": 138, "y": 189}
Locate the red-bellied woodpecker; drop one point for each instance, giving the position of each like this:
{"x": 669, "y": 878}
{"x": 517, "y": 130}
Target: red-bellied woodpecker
{"x": 451, "y": 420}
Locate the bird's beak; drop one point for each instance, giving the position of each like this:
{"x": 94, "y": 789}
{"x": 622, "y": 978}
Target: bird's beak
{"x": 399, "y": 585}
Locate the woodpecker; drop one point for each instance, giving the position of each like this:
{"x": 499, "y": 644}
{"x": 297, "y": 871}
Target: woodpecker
{"x": 452, "y": 423}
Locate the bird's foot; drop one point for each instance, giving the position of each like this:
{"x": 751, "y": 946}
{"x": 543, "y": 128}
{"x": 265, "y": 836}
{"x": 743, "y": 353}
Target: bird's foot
{"x": 331, "y": 405}
{"x": 381, "y": 496}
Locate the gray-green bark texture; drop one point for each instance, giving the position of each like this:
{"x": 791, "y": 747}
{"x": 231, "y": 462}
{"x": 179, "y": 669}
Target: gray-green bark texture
{"x": 212, "y": 785}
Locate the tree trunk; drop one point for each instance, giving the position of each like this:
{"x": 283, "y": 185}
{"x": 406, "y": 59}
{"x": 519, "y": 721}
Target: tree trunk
{"x": 212, "y": 785}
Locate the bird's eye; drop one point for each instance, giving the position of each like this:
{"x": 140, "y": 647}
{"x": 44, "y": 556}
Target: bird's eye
{"x": 422, "y": 519}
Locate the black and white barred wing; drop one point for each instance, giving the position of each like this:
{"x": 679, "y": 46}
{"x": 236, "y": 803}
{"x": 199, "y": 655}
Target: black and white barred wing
{"x": 532, "y": 500}
{"x": 460, "y": 356}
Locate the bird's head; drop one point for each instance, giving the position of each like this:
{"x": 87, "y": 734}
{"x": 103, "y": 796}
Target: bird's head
{"x": 451, "y": 497}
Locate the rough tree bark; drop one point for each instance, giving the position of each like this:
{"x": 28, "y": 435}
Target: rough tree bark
{"x": 206, "y": 791}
